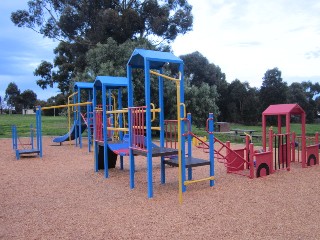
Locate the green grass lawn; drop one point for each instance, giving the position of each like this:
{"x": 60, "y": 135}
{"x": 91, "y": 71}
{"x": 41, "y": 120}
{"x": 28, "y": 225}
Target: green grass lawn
{"x": 311, "y": 129}
{"x": 58, "y": 125}
{"x": 52, "y": 126}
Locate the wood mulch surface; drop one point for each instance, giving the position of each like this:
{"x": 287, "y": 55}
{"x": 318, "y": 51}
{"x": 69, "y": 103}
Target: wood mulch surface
{"x": 61, "y": 197}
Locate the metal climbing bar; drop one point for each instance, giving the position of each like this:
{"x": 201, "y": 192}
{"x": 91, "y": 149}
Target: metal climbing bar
{"x": 231, "y": 158}
{"x": 282, "y": 153}
{"x": 164, "y": 76}
{"x": 99, "y": 135}
{"x": 188, "y": 182}
{"x": 137, "y": 129}
{"x": 171, "y": 133}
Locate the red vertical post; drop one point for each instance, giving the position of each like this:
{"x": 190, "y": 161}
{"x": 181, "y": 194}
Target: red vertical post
{"x": 288, "y": 151}
{"x": 133, "y": 120}
{"x": 175, "y": 134}
{"x": 251, "y": 154}
{"x": 279, "y": 124}
{"x": 138, "y": 132}
{"x": 166, "y": 133}
{"x": 271, "y": 149}
{"x": 248, "y": 151}
{"x": 316, "y": 139}
{"x": 303, "y": 140}
{"x": 293, "y": 147}
{"x": 264, "y": 133}
{"x": 227, "y": 153}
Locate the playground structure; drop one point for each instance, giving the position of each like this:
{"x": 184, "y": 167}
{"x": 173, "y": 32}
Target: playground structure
{"x": 73, "y": 133}
{"x": 284, "y": 144}
{"x": 114, "y": 136}
{"x": 127, "y": 130}
{"x": 107, "y": 121}
{"x": 281, "y": 151}
{"x": 140, "y": 137}
{"x": 31, "y": 147}
{"x": 86, "y": 116}
{"x": 81, "y": 121}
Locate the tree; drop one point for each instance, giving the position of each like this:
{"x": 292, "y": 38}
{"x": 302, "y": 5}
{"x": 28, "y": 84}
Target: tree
{"x": 12, "y": 96}
{"x": 305, "y": 94}
{"x": 251, "y": 114}
{"x": 198, "y": 70}
{"x": 111, "y": 58}
{"x": 200, "y": 101}
{"x": 2, "y": 104}
{"x": 241, "y": 104}
{"x": 273, "y": 89}
{"x": 80, "y": 25}
{"x": 28, "y": 99}
{"x": 237, "y": 95}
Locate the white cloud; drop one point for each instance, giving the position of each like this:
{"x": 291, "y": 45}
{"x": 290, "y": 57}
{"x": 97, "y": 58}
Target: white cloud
{"x": 246, "y": 38}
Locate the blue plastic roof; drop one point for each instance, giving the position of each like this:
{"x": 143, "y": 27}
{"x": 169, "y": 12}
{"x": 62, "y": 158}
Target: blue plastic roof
{"x": 83, "y": 85}
{"x": 157, "y": 59}
{"x": 110, "y": 82}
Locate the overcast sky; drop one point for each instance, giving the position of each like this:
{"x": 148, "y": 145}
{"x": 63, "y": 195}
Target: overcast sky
{"x": 248, "y": 37}
{"x": 244, "y": 37}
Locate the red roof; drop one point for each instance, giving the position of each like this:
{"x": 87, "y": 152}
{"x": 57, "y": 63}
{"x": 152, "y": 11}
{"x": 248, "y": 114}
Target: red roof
{"x": 282, "y": 109}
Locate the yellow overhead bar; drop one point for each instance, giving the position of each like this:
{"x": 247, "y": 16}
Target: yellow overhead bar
{"x": 66, "y": 105}
{"x": 164, "y": 76}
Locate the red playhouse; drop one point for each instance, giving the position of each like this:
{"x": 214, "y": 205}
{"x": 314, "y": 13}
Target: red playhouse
{"x": 283, "y": 148}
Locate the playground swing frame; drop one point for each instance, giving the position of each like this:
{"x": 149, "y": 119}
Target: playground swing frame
{"x": 15, "y": 139}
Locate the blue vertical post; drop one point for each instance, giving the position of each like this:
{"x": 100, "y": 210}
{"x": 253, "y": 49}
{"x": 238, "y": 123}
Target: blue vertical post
{"x": 110, "y": 100}
{"x": 14, "y": 139}
{"x": 110, "y": 107}
{"x": 120, "y": 119}
{"x": 39, "y": 130}
{"x": 189, "y": 145}
{"x": 88, "y": 121}
{"x": 75, "y": 122}
{"x": 130, "y": 104}
{"x": 148, "y": 127}
{"x": 79, "y": 117}
{"x": 88, "y": 127}
{"x": 105, "y": 132}
{"x": 161, "y": 123}
{"x": 211, "y": 146}
{"x": 182, "y": 144}
{"x": 31, "y": 136}
{"x": 95, "y": 144}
